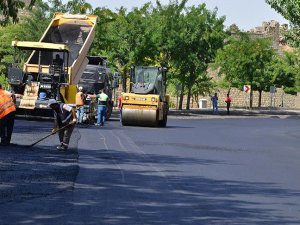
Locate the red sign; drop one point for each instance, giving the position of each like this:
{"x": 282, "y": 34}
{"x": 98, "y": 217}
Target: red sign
{"x": 247, "y": 88}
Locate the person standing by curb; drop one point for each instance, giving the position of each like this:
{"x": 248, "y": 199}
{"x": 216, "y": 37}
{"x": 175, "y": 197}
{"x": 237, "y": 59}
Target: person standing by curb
{"x": 7, "y": 116}
{"x": 214, "y": 100}
{"x": 228, "y": 101}
{"x": 64, "y": 117}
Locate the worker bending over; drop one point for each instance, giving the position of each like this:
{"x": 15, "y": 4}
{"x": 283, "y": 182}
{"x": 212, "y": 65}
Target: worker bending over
{"x": 64, "y": 122}
{"x": 7, "y": 116}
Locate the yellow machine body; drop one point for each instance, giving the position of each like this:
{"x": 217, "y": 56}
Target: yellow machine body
{"x": 70, "y": 37}
{"x": 145, "y": 109}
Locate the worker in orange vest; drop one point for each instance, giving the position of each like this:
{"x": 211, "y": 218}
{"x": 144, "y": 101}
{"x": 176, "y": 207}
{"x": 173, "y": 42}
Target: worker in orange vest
{"x": 7, "y": 116}
{"x": 79, "y": 101}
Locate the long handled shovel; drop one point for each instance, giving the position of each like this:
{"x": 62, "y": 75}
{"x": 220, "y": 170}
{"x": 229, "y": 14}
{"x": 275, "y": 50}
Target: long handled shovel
{"x": 29, "y": 146}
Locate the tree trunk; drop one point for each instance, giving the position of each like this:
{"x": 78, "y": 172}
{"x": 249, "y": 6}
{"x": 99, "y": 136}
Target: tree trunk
{"x": 259, "y": 98}
{"x": 196, "y": 99}
{"x": 188, "y": 97}
{"x": 251, "y": 99}
{"x": 181, "y": 97}
{"x": 124, "y": 82}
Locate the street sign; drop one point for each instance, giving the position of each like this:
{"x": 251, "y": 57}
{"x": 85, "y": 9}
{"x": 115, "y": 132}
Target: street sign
{"x": 247, "y": 88}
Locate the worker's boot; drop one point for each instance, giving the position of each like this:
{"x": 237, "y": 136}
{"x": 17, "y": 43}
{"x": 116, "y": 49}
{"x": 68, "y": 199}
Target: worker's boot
{"x": 4, "y": 142}
{"x": 63, "y": 147}
{"x": 59, "y": 147}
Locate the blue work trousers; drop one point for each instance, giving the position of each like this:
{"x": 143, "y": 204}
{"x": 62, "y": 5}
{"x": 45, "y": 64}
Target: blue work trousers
{"x": 215, "y": 107}
{"x": 101, "y": 114}
{"x": 79, "y": 113}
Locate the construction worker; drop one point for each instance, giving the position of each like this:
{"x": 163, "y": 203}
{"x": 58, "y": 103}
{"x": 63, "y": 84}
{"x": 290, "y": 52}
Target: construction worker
{"x": 7, "y": 116}
{"x": 64, "y": 122}
{"x": 102, "y": 106}
{"x": 79, "y": 101}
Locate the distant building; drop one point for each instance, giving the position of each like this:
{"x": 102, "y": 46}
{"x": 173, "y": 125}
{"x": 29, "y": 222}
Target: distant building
{"x": 273, "y": 30}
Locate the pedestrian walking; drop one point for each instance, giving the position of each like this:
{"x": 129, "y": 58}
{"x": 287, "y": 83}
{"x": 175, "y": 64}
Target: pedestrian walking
{"x": 228, "y": 101}
{"x": 64, "y": 122}
{"x": 214, "y": 100}
{"x": 102, "y": 107}
{"x": 79, "y": 101}
{"x": 120, "y": 106}
{"x": 7, "y": 116}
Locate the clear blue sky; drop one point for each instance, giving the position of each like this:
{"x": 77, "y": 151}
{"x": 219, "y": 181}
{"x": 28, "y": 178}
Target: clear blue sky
{"x": 246, "y": 14}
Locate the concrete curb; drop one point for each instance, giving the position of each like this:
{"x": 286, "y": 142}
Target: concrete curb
{"x": 234, "y": 113}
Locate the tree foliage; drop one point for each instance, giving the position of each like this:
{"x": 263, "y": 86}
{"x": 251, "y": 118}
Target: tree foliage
{"x": 244, "y": 61}
{"x": 9, "y": 10}
{"x": 78, "y": 7}
{"x": 30, "y": 28}
{"x": 285, "y": 71}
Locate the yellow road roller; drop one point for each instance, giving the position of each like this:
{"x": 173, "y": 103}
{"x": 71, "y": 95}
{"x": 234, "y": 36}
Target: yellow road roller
{"x": 147, "y": 103}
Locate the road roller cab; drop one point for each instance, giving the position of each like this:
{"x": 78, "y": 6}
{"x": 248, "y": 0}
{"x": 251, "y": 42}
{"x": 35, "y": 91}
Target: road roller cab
{"x": 147, "y": 103}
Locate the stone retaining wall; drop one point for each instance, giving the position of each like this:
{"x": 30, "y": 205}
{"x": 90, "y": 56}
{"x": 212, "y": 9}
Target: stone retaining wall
{"x": 239, "y": 99}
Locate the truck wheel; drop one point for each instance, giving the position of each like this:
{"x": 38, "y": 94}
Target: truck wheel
{"x": 163, "y": 123}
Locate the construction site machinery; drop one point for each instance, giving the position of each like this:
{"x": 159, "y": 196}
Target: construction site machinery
{"x": 69, "y": 37}
{"x": 96, "y": 76}
{"x": 147, "y": 104}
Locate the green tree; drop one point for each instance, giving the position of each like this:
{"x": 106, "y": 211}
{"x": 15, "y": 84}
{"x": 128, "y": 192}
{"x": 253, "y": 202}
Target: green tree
{"x": 233, "y": 28}
{"x": 79, "y": 7}
{"x": 56, "y": 6}
{"x": 244, "y": 61}
{"x": 284, "y": 71}
{"x": 10, "y": 8}
{"x": 183, "y": 39}
{"x": 203, "y": 86}
{"x": 124, "y": 37}
{"x": 30, "y": 28}
{"x": 201, "y": 35}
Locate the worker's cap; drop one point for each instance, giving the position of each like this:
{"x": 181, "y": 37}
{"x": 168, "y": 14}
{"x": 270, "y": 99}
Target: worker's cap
{"x": 51, "y": 101}
{"x": 80, "y": 88}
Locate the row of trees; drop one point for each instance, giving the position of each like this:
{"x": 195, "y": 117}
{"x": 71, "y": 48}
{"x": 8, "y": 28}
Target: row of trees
{"x": 187, "y": 40}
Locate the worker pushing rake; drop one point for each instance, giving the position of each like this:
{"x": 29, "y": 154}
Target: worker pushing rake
{"x": 64, "y": 123}
{"x": 52, "y": 133}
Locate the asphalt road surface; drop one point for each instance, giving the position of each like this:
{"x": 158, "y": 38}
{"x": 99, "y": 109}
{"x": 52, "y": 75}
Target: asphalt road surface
{"x": 194, "y": 171}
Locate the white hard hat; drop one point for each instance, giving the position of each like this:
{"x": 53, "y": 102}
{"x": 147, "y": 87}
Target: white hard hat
{"x": 80, "y": 88}
{"x": 51, "y": 101}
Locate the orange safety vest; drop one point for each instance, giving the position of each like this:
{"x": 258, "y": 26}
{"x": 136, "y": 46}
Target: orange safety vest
{"x": 78, "y": 99}
{"x": 6, "y": 104}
